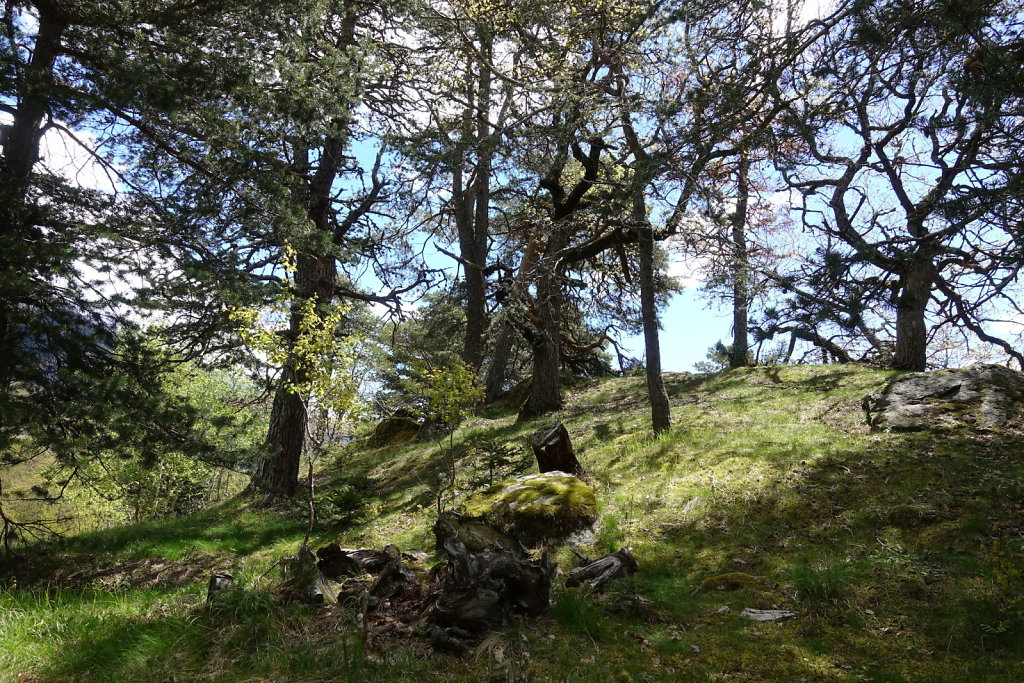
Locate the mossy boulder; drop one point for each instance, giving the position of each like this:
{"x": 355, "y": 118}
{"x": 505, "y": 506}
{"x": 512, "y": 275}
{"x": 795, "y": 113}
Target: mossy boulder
{"x": 395, "y": 430}
{"x": 536, "y": 508}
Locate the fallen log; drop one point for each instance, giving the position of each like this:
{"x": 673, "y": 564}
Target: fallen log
{"x": 597, "y": 573}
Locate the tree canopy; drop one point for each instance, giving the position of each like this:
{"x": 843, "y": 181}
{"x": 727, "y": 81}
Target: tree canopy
{"x": 848, "y": 174}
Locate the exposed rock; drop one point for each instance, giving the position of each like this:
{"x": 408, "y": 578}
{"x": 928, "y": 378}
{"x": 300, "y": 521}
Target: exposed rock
{"x": 514, "y": 398}
{"x": 400, "y": 428}
{"x": 982, "y": 396}
{"x": 597, "y": 573}
{"x": 553, "y": 448}
{"x": 219, "y": 584}
{"x": 536, "y": 508}
{"x": 766, "y": 614}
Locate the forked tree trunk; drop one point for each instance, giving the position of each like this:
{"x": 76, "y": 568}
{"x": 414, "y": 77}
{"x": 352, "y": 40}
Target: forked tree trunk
{"x": 315, "y": 276}
{"x": 546, "y": 390}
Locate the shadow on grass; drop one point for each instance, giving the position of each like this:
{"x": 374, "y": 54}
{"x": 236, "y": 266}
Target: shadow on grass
{"x": 889, "y": 552}
{"x": 236, "y": 534}
{"x": 137, "y": 643}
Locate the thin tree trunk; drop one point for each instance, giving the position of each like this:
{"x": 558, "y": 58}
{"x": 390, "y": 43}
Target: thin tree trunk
{"x": 656, "y": 394}
{"x": 20, "y": 153}
{"x": 472, "y": 206}
{"x": 739, "y": 353}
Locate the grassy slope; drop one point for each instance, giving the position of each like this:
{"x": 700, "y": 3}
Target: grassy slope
{"x": 901, "y": 555}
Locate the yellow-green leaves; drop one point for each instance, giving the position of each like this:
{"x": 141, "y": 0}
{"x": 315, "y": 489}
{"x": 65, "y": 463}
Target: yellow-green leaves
{"x": 451, "y": 391}
{"x": 319, "y": 357}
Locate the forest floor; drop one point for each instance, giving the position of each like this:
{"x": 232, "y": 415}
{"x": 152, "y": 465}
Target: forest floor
{"x": 901, "y": 555}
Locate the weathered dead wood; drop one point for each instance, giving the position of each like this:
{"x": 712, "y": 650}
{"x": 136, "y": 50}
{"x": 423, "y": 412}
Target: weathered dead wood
{"x": 473, "y": 534}
{"x": 553, "y": 449}
{"x": 393, "y": 576}
{"x": 597, "y": 573}
{"x": 337, "y": 563}
{"x": 303, "y": 581}
{"x": 219, "y": 584}
{"x": 475, "y": 592}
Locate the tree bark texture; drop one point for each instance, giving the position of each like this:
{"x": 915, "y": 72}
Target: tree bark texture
{"x": 660, "y": 414}
{"x": 911, "y": 330}
{"x": 739, "y": 353}
{"x": 20, "y": 152}
{"x": 315, "y": 276}
{"x": 472, "y": 205}
{"x": 546, "y": 389}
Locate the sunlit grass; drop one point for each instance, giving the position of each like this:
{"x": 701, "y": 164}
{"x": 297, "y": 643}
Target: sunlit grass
{"x": 881, "y": 543}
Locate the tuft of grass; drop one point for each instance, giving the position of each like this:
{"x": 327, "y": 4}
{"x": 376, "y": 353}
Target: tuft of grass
{"x": 825, "y": 583}
{"x": 576, "y": 612}
{"x": 610, "y": 537}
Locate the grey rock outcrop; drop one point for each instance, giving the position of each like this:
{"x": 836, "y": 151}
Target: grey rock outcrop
{"x": 981, "y": 397}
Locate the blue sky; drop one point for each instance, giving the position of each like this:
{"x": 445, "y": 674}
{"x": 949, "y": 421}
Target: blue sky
{"x": 689, "y": 327}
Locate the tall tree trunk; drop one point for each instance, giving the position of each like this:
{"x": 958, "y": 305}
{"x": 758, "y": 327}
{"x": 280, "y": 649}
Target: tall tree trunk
{"x": 911, "y": 330}
{"x": 278, "y": 474}
{"x": 656, "y": 394}
{"x": 315, "y": 276}
{"x": 494, "y": 381}
{"x": 546, "y": 386}
{"x": 472, "y": 205}
{"x": 739, "y": 353}
{"x": 20, "y": 144}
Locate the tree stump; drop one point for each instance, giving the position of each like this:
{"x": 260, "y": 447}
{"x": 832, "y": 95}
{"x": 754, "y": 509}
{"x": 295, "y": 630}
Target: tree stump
{"x": 476, "y": 592}
{"x": 553, "y": 448}
{"x": 219, "y": 584}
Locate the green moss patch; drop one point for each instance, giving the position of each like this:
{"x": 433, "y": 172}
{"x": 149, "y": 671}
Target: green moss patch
{"x": 729, "y": 582}
{"x": 536, "y": 508}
